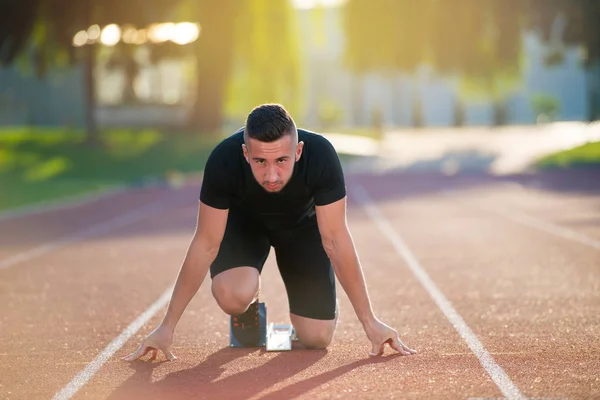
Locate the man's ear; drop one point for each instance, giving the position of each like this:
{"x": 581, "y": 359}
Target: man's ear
{"x": 299, "y": 148}
{"x": 245, "y": 151}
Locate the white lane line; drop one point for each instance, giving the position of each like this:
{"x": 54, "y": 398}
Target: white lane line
{"x": 508, "y": 388}
{"x": 62, "y": 203}
{"x": 97, "y": 229}
{"x": 90, "y": 370}
{"x": 533, "y": 222}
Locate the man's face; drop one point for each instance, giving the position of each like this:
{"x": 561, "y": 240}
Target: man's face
{"x": 272, "y": 163}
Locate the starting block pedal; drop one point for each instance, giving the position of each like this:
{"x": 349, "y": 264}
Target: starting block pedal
{"x": 262, "y": 317}
{"x": 280, "y": 337}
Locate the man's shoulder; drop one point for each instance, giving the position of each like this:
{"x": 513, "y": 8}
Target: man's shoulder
{"x": 316, "y": 144}
{"x": 323, "y": 167}
{"x": 229, "y": 146}
{"x": 233, "y": 141}
{"x": 225, "y": 155}
{"x": 307, "y": 134}
{"x": 315, "y": 140}
{"x": 220, "y": 172}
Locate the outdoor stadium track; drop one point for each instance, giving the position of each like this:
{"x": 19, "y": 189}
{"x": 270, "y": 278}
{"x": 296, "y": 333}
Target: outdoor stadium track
{"x": 495, "y": 284}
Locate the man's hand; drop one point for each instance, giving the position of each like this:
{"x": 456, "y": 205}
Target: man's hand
{"x": 159, "y": 339}
{"x": 379, "y": 334}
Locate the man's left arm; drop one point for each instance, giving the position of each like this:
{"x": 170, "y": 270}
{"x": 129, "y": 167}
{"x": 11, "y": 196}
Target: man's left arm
{"x": 340, "y": 248}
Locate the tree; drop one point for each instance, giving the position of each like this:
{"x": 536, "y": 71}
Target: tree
{"x": 16, "y": 24}
{"x": 42, "y": 31}
{"x": 385, "y": 36}
{"x": 246, "y": 54}
{"x": 478, "y": 40}
{"x": 213, "y": 52}
{"x": 267, "y": 65}
{"x": 568, "y": 23}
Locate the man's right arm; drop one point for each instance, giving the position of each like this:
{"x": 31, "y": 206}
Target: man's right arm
{"x": 203, "y": 249}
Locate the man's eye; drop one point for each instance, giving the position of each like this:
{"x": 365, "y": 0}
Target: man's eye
{"x": 281, "y": 161}
{"x": 260, "y": 161}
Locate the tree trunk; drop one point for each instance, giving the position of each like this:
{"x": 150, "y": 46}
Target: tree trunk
{"x": 417, "y": 110}
{"x": 358, "y": 96}
{"x": 214, "y": 56}
{"x": 89, "y": 88}
{"x": 130, "y": 73}
{"x": 207, "y": 114}
{"x": 592, "y": 89}
{"x": 500, "y": 113}
{"x": 459, "y": 112}
{"x": 89, "y": 85}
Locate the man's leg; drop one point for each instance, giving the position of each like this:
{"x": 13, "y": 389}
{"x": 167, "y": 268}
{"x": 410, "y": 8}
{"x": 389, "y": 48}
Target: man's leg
{"x": 235, "y": 272}
{"x": 310, "y": 284}
{"x": 235, "y": 289}
{"x": 314, "y": 333}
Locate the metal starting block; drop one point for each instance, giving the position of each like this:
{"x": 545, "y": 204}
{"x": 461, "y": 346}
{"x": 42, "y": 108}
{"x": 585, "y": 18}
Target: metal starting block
{"x": 275, "y": 337}
{"x": 280, "y": 337}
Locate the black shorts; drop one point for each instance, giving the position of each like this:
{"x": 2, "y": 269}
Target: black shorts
{"x": 302, "y": 261}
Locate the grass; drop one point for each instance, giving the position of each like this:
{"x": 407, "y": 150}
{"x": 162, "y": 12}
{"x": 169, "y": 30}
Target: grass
{"x": 587, "y": 155}
{"x": 45, "y": 164}
{"x": 39, "y": 164}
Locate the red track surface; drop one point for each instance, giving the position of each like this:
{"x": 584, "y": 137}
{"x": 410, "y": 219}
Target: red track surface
{"x": 531, "y": 297}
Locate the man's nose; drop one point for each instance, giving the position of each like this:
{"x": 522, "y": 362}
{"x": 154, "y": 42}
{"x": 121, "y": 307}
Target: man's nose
{"x": 272, "y": 175}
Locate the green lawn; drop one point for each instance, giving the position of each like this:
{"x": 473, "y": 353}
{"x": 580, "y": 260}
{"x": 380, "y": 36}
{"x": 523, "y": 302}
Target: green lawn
{"x": 581, "y": 156}
{"x": 39, "y": 164}
{"x": 44, "y": 164}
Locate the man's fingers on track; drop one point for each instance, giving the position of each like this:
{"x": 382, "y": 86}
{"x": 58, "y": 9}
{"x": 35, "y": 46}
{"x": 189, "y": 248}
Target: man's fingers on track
{"x": 396, "y": 344}
{"x": 405, "y": 347}
{"x": 412, "y": 351}
{"x": 154, "y": 354}
{"x": 140, "y": 352}
{"x": 401, "y": 347}
{"x": 377, "y": 350}
{"x": 170, "y": 356}
{"x": 374, "y": 351}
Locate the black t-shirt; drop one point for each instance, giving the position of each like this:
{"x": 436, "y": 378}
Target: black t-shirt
{"x": 317, "y": 179}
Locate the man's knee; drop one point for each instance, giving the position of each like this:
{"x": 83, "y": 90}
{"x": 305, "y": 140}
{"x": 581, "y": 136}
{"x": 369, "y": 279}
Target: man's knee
{"x": 235, "y": 289}
{"x": 316, "y": 340}
{"x": 314, "y": 333}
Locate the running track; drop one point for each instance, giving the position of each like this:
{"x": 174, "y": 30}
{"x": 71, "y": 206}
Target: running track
{"x": 496, "y": 284}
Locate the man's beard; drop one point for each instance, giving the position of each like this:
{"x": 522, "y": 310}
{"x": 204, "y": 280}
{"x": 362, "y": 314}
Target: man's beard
{"x": 281, "y": 183}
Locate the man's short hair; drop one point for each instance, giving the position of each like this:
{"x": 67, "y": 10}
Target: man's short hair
{"x": 269, "y": 122}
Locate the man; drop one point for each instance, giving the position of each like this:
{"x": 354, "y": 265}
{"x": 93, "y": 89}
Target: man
{"x": 271, "y": 184}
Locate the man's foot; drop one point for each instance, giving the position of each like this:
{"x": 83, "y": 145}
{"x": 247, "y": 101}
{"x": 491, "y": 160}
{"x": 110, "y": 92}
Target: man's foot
{"x": 246, "y": 327}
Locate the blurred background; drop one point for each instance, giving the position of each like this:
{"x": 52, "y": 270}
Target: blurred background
{"x": 97, "y": 94}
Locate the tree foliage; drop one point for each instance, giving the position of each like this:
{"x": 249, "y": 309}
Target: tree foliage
{"x": 258, "y": 35}
{"x": 385, "y": 35}
{"x": 16, "y": 24}
{"x": 571, "y": 23}
{"x": 46, "y": 27}
{"x": 213, "y": 52}
{"x": 474, "y": 37}
{"x": 478, "y": 40}
{"x": 467, "y": 36}
{"x": 267, "y": 65}
{"x": 42, "y": 31}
